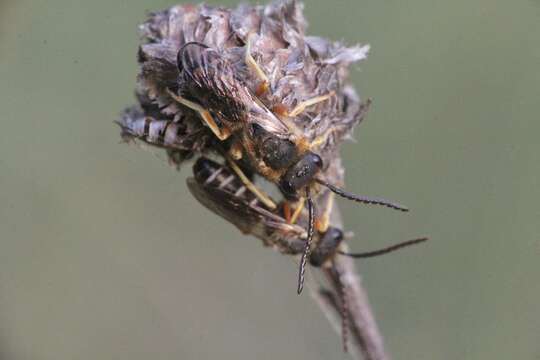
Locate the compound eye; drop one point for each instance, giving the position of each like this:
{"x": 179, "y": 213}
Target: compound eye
{"x": 335, "y": 234}
{"x": 327, "y": 246}
{"x": 318, "y": 161}
{"x": 287, "y": 188}
{"x": 300, "y": 174}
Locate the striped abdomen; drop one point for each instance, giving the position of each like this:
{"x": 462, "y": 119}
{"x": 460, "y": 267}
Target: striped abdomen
{"x": 163, "y": 133}
{"x": 218, "y": 188}
{"x": 157, "y": 132}
{"x": 212, "y": 174}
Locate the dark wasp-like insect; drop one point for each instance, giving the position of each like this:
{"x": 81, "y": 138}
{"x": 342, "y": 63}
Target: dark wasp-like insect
{"x": 219, "y": 189}
{"x": 260, "y": 139}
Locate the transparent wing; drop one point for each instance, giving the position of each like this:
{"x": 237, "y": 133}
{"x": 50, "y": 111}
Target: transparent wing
{"x": 259, "y": 114}
{"x": 211, "y": 79}
{"x": 272, "y": 229}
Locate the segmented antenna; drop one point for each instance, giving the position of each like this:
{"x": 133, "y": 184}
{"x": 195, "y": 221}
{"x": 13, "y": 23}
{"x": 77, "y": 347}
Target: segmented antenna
{"x": 307, "y": 248}
{"x": 384, "y": 250}
{"x": 344, "y": 317}
{"x": 362, "y": 199}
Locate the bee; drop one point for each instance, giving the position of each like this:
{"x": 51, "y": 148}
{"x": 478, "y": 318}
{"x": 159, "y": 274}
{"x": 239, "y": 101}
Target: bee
{"x": 219, "y": 189}
{"x": 266, "y": 140}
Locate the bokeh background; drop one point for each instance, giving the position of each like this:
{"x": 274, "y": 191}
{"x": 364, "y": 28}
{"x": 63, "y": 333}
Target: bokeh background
{"x": 104, "y": 254}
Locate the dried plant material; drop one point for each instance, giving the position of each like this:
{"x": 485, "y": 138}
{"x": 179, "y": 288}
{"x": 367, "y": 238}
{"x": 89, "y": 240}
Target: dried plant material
{"x": 249, "y": 87}
{"x": 297, "y": 67}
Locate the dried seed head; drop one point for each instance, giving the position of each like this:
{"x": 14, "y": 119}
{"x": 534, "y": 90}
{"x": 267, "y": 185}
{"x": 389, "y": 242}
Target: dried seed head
{"x": 298, "y": 67}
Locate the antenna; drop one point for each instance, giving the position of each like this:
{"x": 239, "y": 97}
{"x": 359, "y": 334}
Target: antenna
{"x": 344, "y": 317}
{"x": 386, "y": 250}
{"x": 307, "y": 248}
{"x": 362, "y": 199}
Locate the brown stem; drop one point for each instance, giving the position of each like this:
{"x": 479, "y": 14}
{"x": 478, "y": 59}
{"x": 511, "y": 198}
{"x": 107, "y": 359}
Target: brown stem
{"x": 364, "y": 332}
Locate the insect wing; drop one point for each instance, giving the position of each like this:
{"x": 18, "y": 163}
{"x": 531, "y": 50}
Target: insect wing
{"x": 202, "y": 64}
{"x": 213, "y": 80}
{"x": 210, "y": 80}
{"x": 260, "y": 115}
{"x": 250, "y": 219}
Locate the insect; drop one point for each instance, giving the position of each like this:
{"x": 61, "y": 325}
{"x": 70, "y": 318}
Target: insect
{"x": 219, "y": 189}
{"x": 180, "y": 137}
{"x": 246, "y": 86}
{"x": 259, "y": 139}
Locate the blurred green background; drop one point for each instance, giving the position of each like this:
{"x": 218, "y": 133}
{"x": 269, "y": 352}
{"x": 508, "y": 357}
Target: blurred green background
{"x": 104, "y": 254}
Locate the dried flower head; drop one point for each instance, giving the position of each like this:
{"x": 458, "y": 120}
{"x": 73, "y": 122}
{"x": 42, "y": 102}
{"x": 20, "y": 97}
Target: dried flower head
{"x": 211, "y": 78}
{"x": 297, "y": 67}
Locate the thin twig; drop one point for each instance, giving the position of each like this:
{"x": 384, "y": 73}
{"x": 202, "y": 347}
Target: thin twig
{"x": 364, "y": 332}
{"x": 341, "y": 275}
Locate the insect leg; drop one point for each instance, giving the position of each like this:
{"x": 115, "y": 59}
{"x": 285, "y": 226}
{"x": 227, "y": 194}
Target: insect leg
{"x": 262, "y": 87}
{"x": 297, "y": 210}
{"x": 236, "y": 150}
{"x": 322, "y": 223}
{"x": 287, "y": 212}
{"x": 265, "y": 199}
{"x": 221, "y": 134}
{"x": 319, "y": 140}
{"x": 301, "y": 107}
